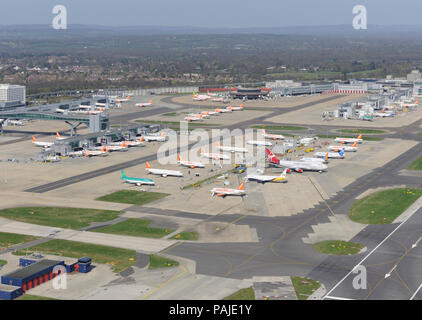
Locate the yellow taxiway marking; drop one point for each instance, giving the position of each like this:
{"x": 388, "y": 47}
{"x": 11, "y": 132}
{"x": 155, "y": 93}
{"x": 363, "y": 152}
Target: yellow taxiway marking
{"x": 166, "y": 282}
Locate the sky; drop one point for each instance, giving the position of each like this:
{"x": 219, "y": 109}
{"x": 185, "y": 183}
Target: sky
{"x": 216, "y": 13}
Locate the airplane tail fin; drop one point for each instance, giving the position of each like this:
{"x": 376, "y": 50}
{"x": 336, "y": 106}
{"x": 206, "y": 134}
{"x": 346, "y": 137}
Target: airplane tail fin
{"x": 242, "y": 186}
{"x": 360, "y": 136}
{"x": 103, "y": 149}
{"x": 263, "y": 131}
{"x": 162, "y": 134}
{"x": 33, "y": 139}
{"x": 179, "y": 157}
{"x": 283, "y": 174}
{"x": 142, "y": 139}
{"x": 355, "y": 144}
{"x": 58, "y": 135}
{"x": 217, "y": 143}
{"x": 147, "y": 165}
{"x": 123, "y": 174}
{"x": 150, "y": 101}
{"x": 202, "y": 150}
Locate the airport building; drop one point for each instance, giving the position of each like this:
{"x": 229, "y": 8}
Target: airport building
{"x": 12, "y": 96}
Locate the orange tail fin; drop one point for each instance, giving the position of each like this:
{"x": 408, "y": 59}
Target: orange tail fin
{"x": 33, "y": 139}
{"x": 178, "y": 157}
{"x": 242, "y": 186}
{"x": 147, "y": 165}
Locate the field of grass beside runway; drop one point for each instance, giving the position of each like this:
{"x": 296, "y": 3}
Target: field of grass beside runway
{"x": 33, "y": 297}
{"x": 133, "y": 197}
{"x": 242, "y": 294}
{"x": 304, "y": 287}
{"x": 185, "y": 235}
{"x": 383, "y": 207}
{"x": 135, "y": 227}
{"x": 363, "y": 131}
{"x": 11, "y": 239}
{"x": 119, "y": 259}
{"x": 156, "y": 262}
{"x": 72, "y": 218}
{"x": 3, "y": 263}
{"x": 416, "y": 165}
{"x": 338, "y": 247}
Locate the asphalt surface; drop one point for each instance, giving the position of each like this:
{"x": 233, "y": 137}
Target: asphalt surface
{"x": 281, "y": 251}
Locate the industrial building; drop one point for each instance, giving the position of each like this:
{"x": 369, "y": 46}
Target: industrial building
{"x": 249, "y": 93}
{"x": 12, "y": 96}
{"x": 34, "y": 272}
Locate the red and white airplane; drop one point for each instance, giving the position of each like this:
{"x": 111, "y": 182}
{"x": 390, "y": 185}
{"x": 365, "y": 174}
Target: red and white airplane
{"x": 200, "y": 97}
{"x": 224, "y": 192}
{"x": 94, "y": 153}
{"x": 272, "y": 136}
{"x": 350, "y": 140}
{"x": 42, "y": 143}
{"x": 159, "y": 138}
{"x": 120, "y": 100}
{"x": 190, "y": 164}
{"x": 59, "y": 137}
{"x": 223, "y": 110}
{"x": 216, "y": 156}
{"x": 130, "y": 143}
{"x": 352, "y": 148}
{"x": 121, "y": 147}
{"x": 162, "y": 172}
{"x": 193, "y": 118}
{"x": 239, "y": 108}
{"x": 144, "y": 104}
{"x": 210, "y": 113}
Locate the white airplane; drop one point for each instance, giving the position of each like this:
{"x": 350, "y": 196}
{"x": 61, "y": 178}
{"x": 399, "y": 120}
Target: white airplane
{"x": 95, "y": 153}
{"x": 79, "y": 153}
{"x": 264, "y": 178}
{"x": 162, "y": 172}
{"x": 216, "y": 156}
{"x": 272, "y": 136}
{"x": 144, "y": 104}
{"x": 223, "y": 110}
{"x": 352, "y": 148}
{"x": 210, "y": 113}
{"x": 239, "y": 108}
{"x": 15, "y": 122}
{"x": 110, "y": 147}
{"x": 200, "y": 97}
{"x": 199, "y": 115}
{"x": 120, "y": 100}
{"x": 383, "y": 114}
{"x": 330, "y": 155}
{"x": 41, "y": 143}
{"x": 159, "y": 138}
{"x": 349, "y": 140}
{"x": 224, "y": 192}
{"x": 193, "y": 118}
{"x": 230, "y": 149}
{"x": 306, "y": 141}
{"x": 298, "y": 166}
{"x": 258, "y": 142}
{"x": 190, "y": 164}
{"x": 320, "y": 160}
{"x": 59, "y": 137}
{"x": 129, "y": 143}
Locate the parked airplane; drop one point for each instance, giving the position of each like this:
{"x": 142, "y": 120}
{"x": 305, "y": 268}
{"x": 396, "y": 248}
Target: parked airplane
{"x": 120, "y": 100}
{"x": 321, "y": 160}
{"x": 230, "y": 149}
{"x": 41, "y": 143}
{"x": 159, "y": 138}
{"x": 210, "y": 113}
{"x": 110, "y": 147}
{"x": 94, "y": 153}
{"x": 239, "y": 108}
{"x": 163, "y": 172}
{"x": 272, "y": 136}
{"x": 129, "y": 143}
{"x": 193, "y": 118}
{"x": 200, "y": 97}
{"x": 191, "y": 164}
{"x": 306, "y": 141}
{"x": 59, "y": 137}
{"x": 330, "y": 155}
{"x": 264, "y": 178}
{"x": 224, "y": 192}
{"x": 298, "y": 166}
{"x": 352, "y": 148}
{"x": 137, "y": 181}
{"x": 223, "y": 110}
{"x": 383, "y": 114}
{"x": 258, "y": 142}
{"x": 216, "y": 156}
{"x": 349, "y": 140}
{"x": 144, "y": 104}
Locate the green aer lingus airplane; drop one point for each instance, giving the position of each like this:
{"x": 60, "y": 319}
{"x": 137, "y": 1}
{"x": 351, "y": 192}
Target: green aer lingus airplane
{"x": 138, "y": 181}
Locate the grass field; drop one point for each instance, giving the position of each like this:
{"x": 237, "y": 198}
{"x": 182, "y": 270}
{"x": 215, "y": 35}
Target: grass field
{"x": 186, "y": 236}
{"x": 169, "y": 114}
{"x": 73, "y": 218}
{"x": 383, "y": 207}
{"x": 10, "y": 239}
{"x": 119, "y": 259}
{"x": 363, "y": 131}
{"x": 3, "y": 263}
{"x": 416, "y": 165}
{"x": 304, "y": 287}
{"x": 242, "y": 294}
{"x": 338, "y": 247}
{"x": 136, "y": 228}
{"x": 156, "y": 262}
{"x": 33, "y": 297}
{"x": 268, "y": 127}
{"x": 133, "y": 197}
